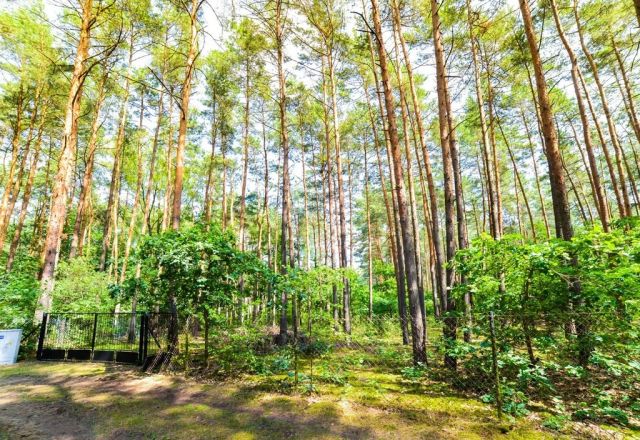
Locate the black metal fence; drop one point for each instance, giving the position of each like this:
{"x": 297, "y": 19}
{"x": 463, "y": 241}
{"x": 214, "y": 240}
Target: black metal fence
{"x": 131, "y": 338}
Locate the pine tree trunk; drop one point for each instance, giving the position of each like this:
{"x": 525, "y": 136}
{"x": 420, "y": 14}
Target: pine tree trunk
{"x": 564, "y": 228}
{"x": 245, "y": 158}
{"x": 65, "y": 164}
{"x": 169, "y": 167}
{"x": 536, "y": 174}
{"x": 346, "y": 291}
{"x": 10, "y": 177}
{"x": 413, "y": 211}
{"x": 600, "y": 200}
{"x": 518, "y": 180}
{"x": 631, "y": 110}
{"x": 397, "y": 250}
{"x": 33, "y": 168}
{"x": 433, "y": 195}
{"x": 136, "y": 198}
{"x": 486, "y": 157}
{"x": 368, "y": 214}
{"x": 184, "y": 112}
{"x": 417, "y": 329}
{"x": 209, "y": 190}
{"x": 113, "y": 202}
{"x": 605, "y": 148}
{"x": 87, "y": 178}
{"x": 452, "y": 183}
{"x": 607, "y": 113}
{"x": 284, "y": 145}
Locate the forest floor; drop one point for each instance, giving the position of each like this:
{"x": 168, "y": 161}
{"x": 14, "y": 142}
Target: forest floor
{"x": 105, "y": 401}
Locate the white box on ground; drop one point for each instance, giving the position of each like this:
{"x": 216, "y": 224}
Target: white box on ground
{"x": 9, "y": 346}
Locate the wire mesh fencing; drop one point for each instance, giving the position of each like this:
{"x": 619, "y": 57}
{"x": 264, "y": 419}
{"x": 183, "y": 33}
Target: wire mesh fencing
{"x": 113, "y": 337}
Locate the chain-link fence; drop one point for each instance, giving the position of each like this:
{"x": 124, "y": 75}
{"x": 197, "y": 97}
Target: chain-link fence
{"x": 579, "y": 371}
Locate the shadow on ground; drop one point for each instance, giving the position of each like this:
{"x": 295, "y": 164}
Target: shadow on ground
{"x": 103, "y": 401}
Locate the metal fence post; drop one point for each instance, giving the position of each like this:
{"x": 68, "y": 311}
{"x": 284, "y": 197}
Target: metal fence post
{"x": 145, "y": 337}
{"x": 494, "y": 358}
{"x": 141, "y": 338}
{"x": 43, "y": 330}
{"x": 93, "y": 336}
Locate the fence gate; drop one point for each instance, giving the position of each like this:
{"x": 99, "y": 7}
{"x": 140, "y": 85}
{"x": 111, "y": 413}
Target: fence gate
{"x": 147, "y": 339}
{"x": 109, "y": 337}
{"x": 160, "y": 340}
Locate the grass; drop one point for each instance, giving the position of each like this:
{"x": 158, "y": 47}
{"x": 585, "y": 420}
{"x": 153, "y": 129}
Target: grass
{"x": 108, "y": 401}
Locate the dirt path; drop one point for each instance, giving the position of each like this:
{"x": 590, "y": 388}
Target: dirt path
{"x": 99, "y": 401}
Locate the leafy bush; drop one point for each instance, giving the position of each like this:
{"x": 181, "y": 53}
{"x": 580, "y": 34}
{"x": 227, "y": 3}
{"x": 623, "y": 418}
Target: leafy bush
{"x": 19, "y": 292}
{"x": 80, "y": 288}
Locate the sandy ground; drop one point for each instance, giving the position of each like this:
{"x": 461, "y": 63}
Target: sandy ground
{"x": 101, "y": 401}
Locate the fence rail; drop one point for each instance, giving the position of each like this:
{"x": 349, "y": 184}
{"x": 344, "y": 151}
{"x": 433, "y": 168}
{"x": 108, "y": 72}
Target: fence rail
{"x": 124, "y": 337}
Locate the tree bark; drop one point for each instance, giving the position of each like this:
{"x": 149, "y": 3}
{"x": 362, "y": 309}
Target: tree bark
{"x": 113, "y": 202}
{"x": 15, "y": 153}
{"x": 33, "y": 168}
{"x": 394, "y": 225}
{"x": 185, "y": 96}
{"x": 564, "y": 228}
{"x": 601, "y": 203}
{"x": 417, "y": 330}
{"x": 286, "y": 185}
{"x": 454, "y": 209}
{"x": 169, "y": 166}
{"x": 85, "y": 191}
{"x": 607, "y": 112}
{"x": 65, "y": 164}
{"x": 486, "y": 156}
{"x": 136, "y": 198}
{"x": 245, "y": 157}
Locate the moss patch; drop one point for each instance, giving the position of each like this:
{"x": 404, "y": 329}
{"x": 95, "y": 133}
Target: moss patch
{"x": 118, "y": 402}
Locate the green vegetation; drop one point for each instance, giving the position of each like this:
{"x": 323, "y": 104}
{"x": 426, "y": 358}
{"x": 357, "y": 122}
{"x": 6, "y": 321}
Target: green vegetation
{"x": 416, "y": 217}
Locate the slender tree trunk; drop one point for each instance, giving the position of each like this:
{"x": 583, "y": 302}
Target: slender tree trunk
{"x": 65, "y": 164}
{"x": 185, "y": 97}
{"x": 10, "y": 177}
{"x": 518, "y": 181}
{"x": 209, "y": 190}
{"x": 169, "y": 167}
{"x": 15, "y": 186}
{"x": 492, "y": 158}
{"x": 454, "y": 210}
{"x": 607, "y": 112}
{"x": 417, "y": 329}
{"x": 284, "y": 144}
{"x": 536, "y": 174}
{"x": 136, "y": 198}
{"x": 600, "y": 200}
{"x": 433, "y": 195}
{"x": 398, "y": 251}
{"x": 33, "y": 168}
{"x": 245, "y": 158}
{"x": 87, "y": 178}
{"x": 368, "y": 214}
{"x": 605, "y": 148}
{"x": 346, "y": 297}
{"x": 410, "y": 183}
{"x": 224, "y": 204}
{"x": 558, "y": 187}
{"x": 486, "y": 156}
{"x": 113, "y": 202}
{"x": 631, "y": 110}
{"x": 564, "y": 228}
